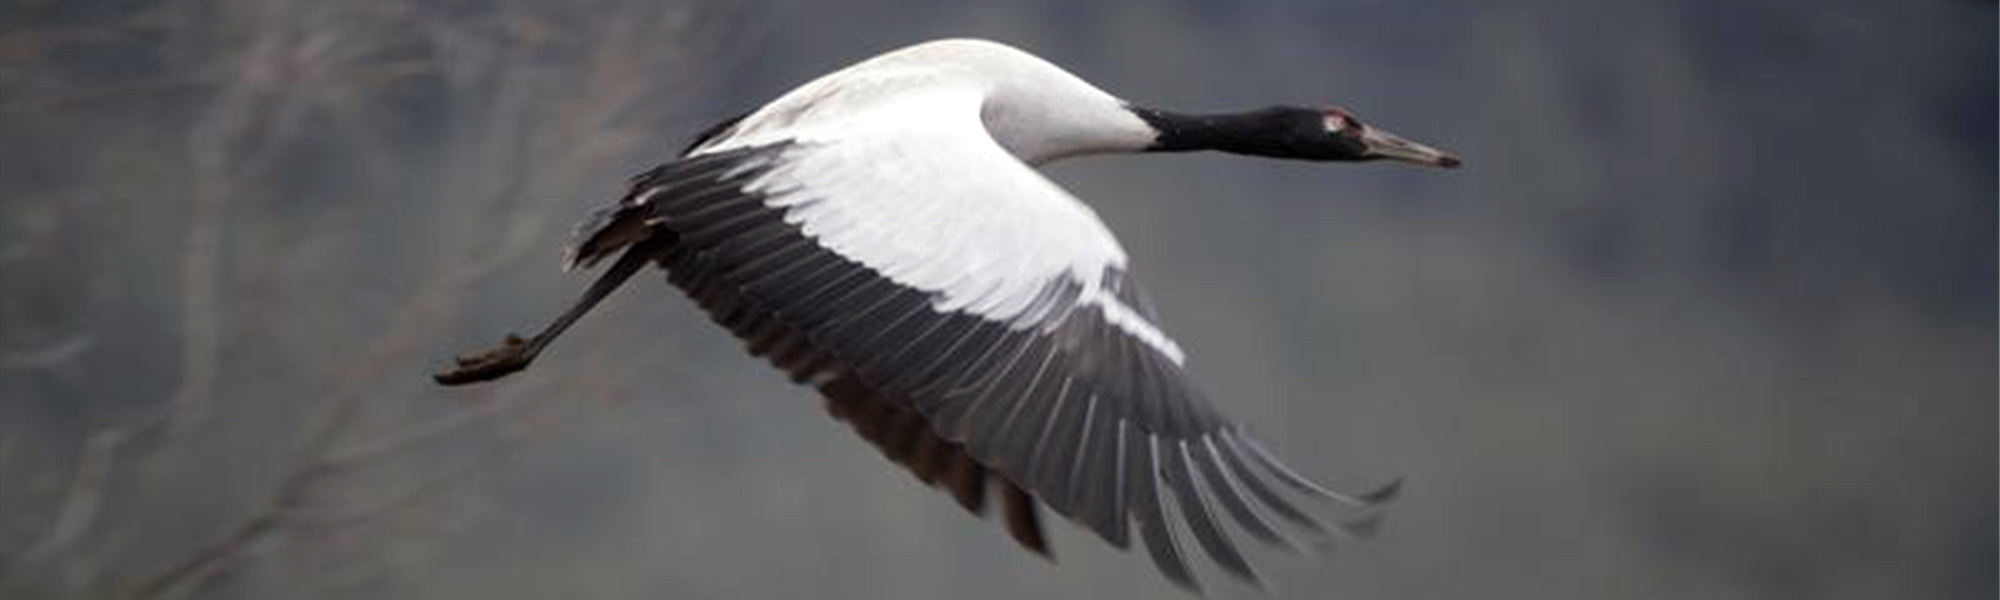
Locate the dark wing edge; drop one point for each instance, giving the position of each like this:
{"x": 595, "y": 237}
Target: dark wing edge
{"x": 635, "y": 217}
{"x": 1075, "y": 413}
{"x": 717, "y": 131}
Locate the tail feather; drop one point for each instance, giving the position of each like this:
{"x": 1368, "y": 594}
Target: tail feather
{"x": 606, "y": 232}
{"x": 637, "y": 215}
{"x": 617, "y": 226}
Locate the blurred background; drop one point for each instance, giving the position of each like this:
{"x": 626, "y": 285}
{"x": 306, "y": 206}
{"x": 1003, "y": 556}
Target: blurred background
{"x": 1709, "y": 314}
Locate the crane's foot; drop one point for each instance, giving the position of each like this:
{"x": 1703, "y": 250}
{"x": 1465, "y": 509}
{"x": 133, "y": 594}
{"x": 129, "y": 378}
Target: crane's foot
{"x": 513, "y": 355}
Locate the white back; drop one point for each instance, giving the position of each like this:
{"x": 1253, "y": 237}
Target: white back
{"x": 916, "y": 164}
{"x": 1033, "y": 108}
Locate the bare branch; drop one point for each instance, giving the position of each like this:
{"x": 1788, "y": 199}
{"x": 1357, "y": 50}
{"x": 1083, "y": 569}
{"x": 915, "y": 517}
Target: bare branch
{"x": 84, "y": 496}
{"x": 48, "y": 356}
{"x": 525, "y": 126}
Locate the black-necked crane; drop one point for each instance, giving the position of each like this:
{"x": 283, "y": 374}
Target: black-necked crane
{"x": 881, "y": 233}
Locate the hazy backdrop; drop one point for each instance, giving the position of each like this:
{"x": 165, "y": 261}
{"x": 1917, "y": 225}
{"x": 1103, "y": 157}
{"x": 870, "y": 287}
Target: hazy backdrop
{"x": 1709, "y": 313}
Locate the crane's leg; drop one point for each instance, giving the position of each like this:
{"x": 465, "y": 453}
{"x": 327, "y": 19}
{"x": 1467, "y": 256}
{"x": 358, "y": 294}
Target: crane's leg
{"x": 514, "y": 353}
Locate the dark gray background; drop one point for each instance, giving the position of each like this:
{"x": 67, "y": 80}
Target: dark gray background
{"x": 1708, "y": 314}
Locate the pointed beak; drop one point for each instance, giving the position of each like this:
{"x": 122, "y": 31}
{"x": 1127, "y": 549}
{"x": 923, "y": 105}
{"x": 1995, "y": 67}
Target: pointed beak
{"x": 1382, "y": 144}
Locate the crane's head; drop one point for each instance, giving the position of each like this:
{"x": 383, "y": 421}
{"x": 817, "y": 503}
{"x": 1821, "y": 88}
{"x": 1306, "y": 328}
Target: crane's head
{"x": 1294, "y": 132}
{"x": 1347, "y": 138}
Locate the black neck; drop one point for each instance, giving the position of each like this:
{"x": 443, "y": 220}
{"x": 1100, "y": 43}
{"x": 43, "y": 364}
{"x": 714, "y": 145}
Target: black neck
{"x": 1276, "y": 131}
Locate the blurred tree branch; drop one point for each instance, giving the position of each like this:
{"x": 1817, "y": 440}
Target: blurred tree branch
{"x": 530, "y": 99}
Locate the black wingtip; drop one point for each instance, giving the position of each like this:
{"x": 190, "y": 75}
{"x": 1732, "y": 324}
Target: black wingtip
{"x": 1384, "y": 494}
{"x": 1024, "y": 522}
{"x": 1364, "y": 527}
{"x": 1299, "y": 482}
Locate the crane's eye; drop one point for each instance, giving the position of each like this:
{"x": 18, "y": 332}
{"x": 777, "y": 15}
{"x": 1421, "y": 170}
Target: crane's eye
{"x": 1338, "y": 121}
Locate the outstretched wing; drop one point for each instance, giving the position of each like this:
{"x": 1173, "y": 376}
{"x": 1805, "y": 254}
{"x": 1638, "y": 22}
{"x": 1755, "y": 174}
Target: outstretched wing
{"x": 968, "y": 317}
